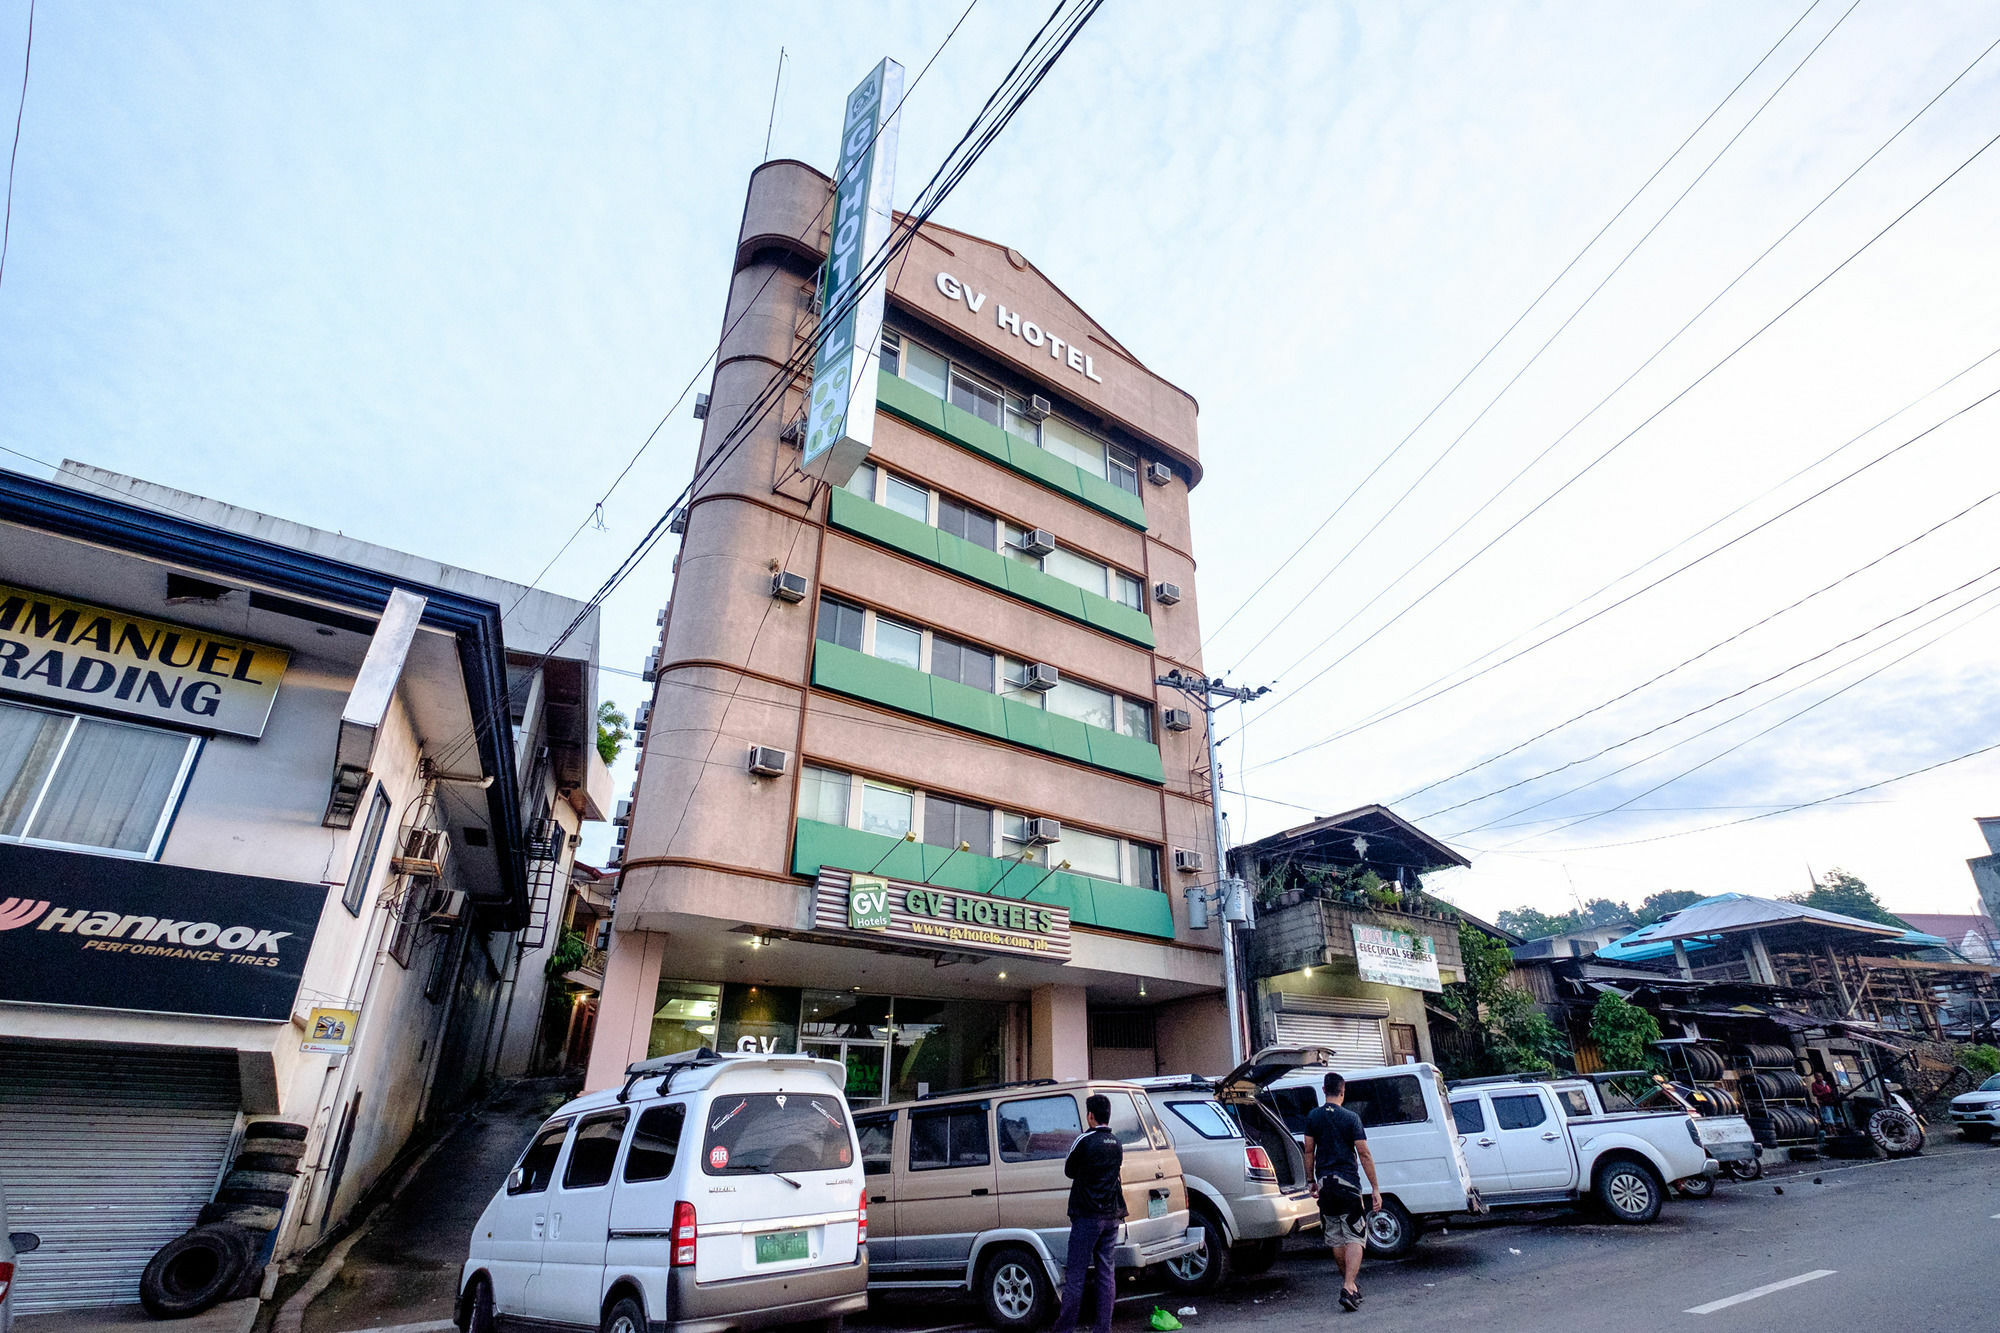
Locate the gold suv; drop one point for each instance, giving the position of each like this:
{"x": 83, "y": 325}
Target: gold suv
{"x": 967, "y": 1190}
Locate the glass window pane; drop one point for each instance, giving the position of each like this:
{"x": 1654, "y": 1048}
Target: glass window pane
{"x": 111, "y": 787}
{"x": 1084, "y": 572}
{"x": 1145, "y": 863}
{"x": 862, "y": 483}
{"x": 823, "y": 795}
{"x": 763, "y": 1132}
{"x": 683, "y": 1016}
{"x": 1523, "y": 1111}
{"x": 1127, "y": 590}
{"x": 1074, "y": 445}
{"x": 1125, "y": 1122}
{"x": 1468, "y": 1117}
{"x": 1086, "y": 703}
{"x": 961, "y": 662}
{"x": 1090, "y": 854}
{"x": 1023, "y": 426}
{"x": 1038, "y": 1129}
{"x": 885, "y": 810}
{"x": 1122, "y": 468}
{"x": 960, "y": 520}
{"x": 892, "y": 351}
{"x": 595, "y": 1150}
{"x": 898, "y": 643}
{"x": 904, "y": 498}
{"x": 1136, "y": 719}
{"x": 976, "y": 398}
{"x": 1206, "y": 1119}
{"x": 538, "y": 1164}
{"x": 29, "y": 741}
{"x": 944, "y": 1138}
{"x": 655, "y": 1143}
{"x": 924, "y": 368}
{"x": 878, "y": 1137}
{"x": 1390, "y": 1101}
{"x": 947, "y": 823}
{"x": 840, "y": 623}
{"x": 365, "y": 848}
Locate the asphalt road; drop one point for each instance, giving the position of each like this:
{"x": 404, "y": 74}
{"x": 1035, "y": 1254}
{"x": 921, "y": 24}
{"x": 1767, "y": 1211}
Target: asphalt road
{"x": 1910, "y": 1246}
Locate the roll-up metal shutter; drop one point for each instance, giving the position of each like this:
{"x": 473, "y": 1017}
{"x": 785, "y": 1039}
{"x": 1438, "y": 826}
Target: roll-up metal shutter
{"x": 1356, "y": 1043}
{"x": 109, "y": 1153}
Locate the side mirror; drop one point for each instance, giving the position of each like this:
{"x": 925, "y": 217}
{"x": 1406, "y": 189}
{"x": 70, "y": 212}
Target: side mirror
{"x": 516, "y": 1179}
{"x": 24, "y": 1242}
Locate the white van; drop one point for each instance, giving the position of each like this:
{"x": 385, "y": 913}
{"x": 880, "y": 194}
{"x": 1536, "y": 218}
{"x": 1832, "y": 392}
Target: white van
{"x": 710, "y": 1192}
{"x": 1407, "y": 1113}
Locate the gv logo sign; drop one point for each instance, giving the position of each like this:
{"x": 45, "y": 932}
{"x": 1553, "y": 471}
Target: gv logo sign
{"x": 867, "y": 903}
{"x": 18, "y": 912}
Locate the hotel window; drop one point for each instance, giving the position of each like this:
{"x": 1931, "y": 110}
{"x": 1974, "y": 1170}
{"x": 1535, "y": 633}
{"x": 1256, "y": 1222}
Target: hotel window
{"x": 885, "y": 809}
{"x": 1097, "y": 855}
{"x": 962, "y": 662}
{"x": 1073, "y": 699}
{"x": 824, "y": 794}
{"x": 947, "y": 823}
{"x": 906, "y": 499}
{"x": 962, "y": 520}
{"x": 83, "y": 782}
{"x": 1079, "y": 570}
{"x": 1065, "y": 439}
{"x": 365, "y": 848}
{"x": 842, "y": 623}
{"x": 898, "y": 643}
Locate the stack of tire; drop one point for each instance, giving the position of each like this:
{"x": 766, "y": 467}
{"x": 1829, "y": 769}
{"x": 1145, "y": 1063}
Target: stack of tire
{"x": 1777, "y": 1082}
{"x": 1705, "y": 1068}
{"x": 222, "y": 1257}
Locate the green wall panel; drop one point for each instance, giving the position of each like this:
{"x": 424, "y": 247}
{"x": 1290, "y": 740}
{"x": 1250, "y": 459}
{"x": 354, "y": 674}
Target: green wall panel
{"x": 964, "y": 706}
{"x": 1127, "y": 754}
{"x": 1091, "y": 902}
{"x": 849, "y": 672}
{"x": 904, "y": 399}
{"x": 864, "y": 518}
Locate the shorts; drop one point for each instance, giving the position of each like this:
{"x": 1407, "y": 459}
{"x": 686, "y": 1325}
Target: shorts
{"x": 1340, "y": 1232}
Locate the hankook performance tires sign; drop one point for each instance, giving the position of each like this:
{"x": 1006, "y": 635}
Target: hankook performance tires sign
{"x": 106, "y": 932}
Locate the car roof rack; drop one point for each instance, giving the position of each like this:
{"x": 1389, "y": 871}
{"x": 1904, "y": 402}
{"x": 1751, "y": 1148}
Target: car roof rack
{"x": 668, "y": 1065}
{"x": 994, "y": 1087}
{"x": 1545, "y": 1076}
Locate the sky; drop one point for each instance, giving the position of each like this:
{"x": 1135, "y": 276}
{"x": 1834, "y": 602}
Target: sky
{"x": 431, "y": 275}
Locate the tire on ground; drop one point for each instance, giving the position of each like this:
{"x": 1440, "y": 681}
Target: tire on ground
{"x": 264, "y": 1198}
{"x": 277, "y": 1181}
{"x": 1206, "y": 1269}
{"x": 1629, "y": 1191}
{"x": 626, "y": 1315}
{"x": 195, "y": 1270}
{"x": 292, "y": 1148}
{"x": 1014, "y": 1289}
{"x": 277, "y": 1129}
{"x": 267, "y": 1162}
{"x": 1392, "y": 1232}
{"x": 1896, "y": 1132}
{"x": 475, "y": 1306}
{"x": 1697, "y": 1187}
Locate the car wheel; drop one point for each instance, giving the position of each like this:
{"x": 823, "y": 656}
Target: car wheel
{"x": 1697, "y": 1187}
{"x": 475, "y": 1313}
{"x": 625, "y": 1316}
{"x": 194, "y": 1270}
{"x": 1753, "y": 1169}
{"x": 1975, "y": 1133}
{"x": 1392, "y": 1232}
{"x": 1257, "y": 1256}
{"x": 1896, "y": 1132}
{"x": 1630, "y": 1192}
{"x": 1207, "y": 1268}
{"x": 1014, "y": 1289}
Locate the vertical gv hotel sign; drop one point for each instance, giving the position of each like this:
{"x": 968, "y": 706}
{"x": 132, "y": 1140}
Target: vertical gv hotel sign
{"x": 840, "y": 420}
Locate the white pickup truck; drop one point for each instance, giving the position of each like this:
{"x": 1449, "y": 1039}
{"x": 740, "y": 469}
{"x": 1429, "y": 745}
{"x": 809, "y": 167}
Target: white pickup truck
{"x": 1525, "y": 1148}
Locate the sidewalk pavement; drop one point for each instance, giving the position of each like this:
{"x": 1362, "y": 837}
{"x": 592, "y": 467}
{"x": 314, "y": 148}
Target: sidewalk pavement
{"x": 405, "y": 1270}
{"x": 228, "y": 1317}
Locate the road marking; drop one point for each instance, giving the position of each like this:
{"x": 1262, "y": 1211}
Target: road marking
{"x": 1755, "y": 1292}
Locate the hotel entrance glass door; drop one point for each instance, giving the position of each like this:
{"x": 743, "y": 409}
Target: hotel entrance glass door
{"x": 867, "y": 1065}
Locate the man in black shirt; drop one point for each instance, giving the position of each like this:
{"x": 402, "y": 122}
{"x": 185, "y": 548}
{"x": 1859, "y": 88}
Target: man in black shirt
{"x": 1336, "y": 1146}
{"x": 1096, "y": 1207}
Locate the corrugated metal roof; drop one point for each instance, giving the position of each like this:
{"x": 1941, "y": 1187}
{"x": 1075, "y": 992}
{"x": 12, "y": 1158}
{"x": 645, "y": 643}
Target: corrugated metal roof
{"x": 1726, "y": 913}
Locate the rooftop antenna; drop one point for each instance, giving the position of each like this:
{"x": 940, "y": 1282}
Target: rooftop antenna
{"x": 772, "y": 122}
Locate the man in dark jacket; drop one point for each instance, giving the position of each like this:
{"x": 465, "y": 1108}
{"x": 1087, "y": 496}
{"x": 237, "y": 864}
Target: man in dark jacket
{"x": 1096, "y": 1207}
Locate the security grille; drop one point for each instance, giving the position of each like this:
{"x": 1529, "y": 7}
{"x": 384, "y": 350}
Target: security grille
{"x": 1356, "y": 1043}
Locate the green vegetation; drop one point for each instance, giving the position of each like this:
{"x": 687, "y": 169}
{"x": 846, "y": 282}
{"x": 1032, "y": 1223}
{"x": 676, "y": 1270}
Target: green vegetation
{"x": 611, "y": 732}
{"x": 1517, "y": 1037}
{"x": 568, "y": 954}
{"x": 1624, "y": 1033}
{"x": 1982, "y": 1061}
{"x": 1848, "y": 895}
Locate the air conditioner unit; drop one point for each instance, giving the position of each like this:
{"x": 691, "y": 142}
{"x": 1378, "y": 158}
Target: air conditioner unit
{"x": 1042, "y": 832}
{"x": 1166, "y": 594}
{"x": 767, "y": 762}
{"x": 1178, "y": 719}
{"x": 445, "y": 906}
{"x": 603, "y": 939}
{"x": 660, "y": 618}
{"x": 1038, "y": 541}
{"x": 701, "y": 407}
{"x": 788, "y": 587}
{"x": 643, "y": 714}
{"x": 678, "y": 524}
{"x": 1188, "y": 862}
{"x": 622, "y": 815}
{"x": 1039, "y": 407}
{"x": 1040, "y": 676}
{"x": 794, "y": 431}
{"x": 422, "y": 853}
{"x": 1159, "y": 473}
{"x": 652, "y": 667}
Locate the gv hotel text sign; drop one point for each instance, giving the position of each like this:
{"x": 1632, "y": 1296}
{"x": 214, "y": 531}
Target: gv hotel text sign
{"x": 1026, "y": 330}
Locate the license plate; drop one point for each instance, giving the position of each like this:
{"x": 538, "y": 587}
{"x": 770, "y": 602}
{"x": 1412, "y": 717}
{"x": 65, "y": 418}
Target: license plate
{"x": 1156, "y": 1205}
{"x": 777, "y": 1246}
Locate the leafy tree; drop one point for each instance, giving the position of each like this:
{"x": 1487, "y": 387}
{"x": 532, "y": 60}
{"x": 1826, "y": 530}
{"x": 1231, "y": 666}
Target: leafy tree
{"x": 568, "y": 954}
{"x": 611, "y": 732}
{"x": 1659, "y": 904}
{"x": 1624, "y": 1033}
{"x": 1983, "y": 1061}
{"x": 1518, "y": 1036}
{"x": 1531, "y": 924}
{"x": 1604, "y": 912}
{"x": 1850, "y": 896}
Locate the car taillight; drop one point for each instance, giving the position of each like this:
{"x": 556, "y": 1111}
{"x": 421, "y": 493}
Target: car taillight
{"x": 6, "y": 1279}
{"x": 1257, "y": 1164}
{"x": 1694, "y": 1132}
{"x": 861, "y": 1223}
{"x": 683, "y": 1235}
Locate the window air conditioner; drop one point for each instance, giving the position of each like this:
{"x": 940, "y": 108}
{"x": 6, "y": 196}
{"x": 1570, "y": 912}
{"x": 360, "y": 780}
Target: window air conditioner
{"x": 422, "y": 854}
{"x": 1038, "y": 542}
{"x": 603, "y": 940}
{"x": 788, "y": 587}
{"x": 1188, "y": 862}
{"x": 660, "y": 618}
{"x": 1039, "y": 407}
{"x": 701, "y": 407}
{"x": 1159, "y": 473}
{"x": 767, "y": 762}
{"x": 1040, "y": 676}
{"x": 445, "y": 906}
{"x": 623, "y": 814}
{"x": 678, "y": 524}
{"x": 794, "y": 431}
{"x": 652, "y": 667}
{"x": 1178, "y": 719}
{"x": 1042, "y": 832}
{"x": 1166, "y": 594}
{"x": 643, "y": 714}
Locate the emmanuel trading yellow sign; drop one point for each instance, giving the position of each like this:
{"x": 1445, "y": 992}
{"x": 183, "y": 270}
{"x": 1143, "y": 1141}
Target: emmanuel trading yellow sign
{"x": 67, "y": 652}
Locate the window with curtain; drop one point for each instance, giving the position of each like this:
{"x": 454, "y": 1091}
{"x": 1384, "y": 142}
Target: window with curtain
{"x": 76, "y": 781}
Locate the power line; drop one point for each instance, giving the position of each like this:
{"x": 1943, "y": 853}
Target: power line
{"x": 1641, "y": 368}
{"x": 1244, "y": 605}
{"x": 1325, "y": 579}
{"x": 7, "y": 228}
{"x": 1587, "y": 468}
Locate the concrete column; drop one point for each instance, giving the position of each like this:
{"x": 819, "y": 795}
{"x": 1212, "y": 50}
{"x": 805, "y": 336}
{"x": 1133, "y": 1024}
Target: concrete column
{"x": 625, "y": 1009}
{"x": 1058, "y": 1032}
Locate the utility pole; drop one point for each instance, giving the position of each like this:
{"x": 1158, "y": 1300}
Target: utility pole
{"x": 1234, "y": 899}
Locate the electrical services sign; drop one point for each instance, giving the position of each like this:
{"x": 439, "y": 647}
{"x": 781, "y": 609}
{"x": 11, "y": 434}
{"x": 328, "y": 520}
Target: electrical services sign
{"x": 919, "y": 914}
{"x": 106, "y": 932}
{"x": 1396, "y": 958}
{"x": 840, "y": 416}
{"x": 73, "y": 653}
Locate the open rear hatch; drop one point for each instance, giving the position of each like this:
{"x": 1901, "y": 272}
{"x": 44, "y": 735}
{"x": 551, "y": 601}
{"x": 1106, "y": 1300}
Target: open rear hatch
{"x": 1238, "y": 1091}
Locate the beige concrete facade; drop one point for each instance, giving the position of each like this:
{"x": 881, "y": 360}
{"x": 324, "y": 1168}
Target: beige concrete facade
{"x": 708, "y": 890}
